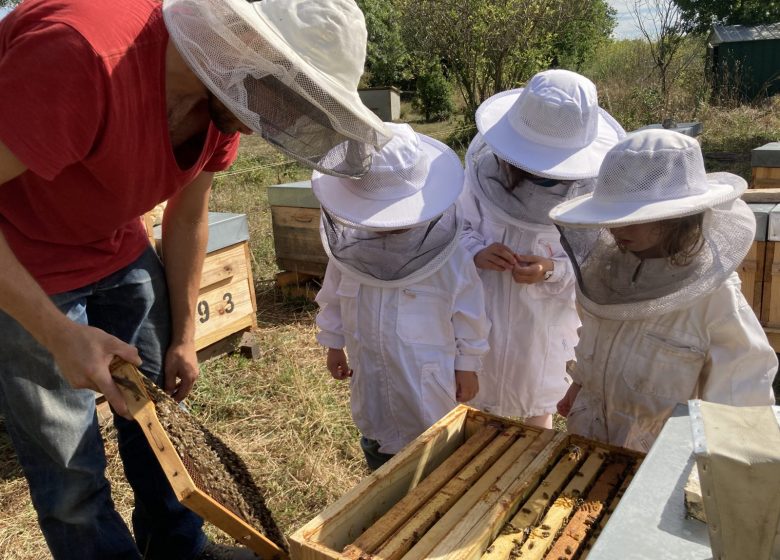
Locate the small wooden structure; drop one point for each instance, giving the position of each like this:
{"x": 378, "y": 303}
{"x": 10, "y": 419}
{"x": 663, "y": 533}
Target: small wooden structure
{"x": 472, "y": 484}
{"x": 226, "y": 301}
{"x": 384, "y": 101}
{"x": 765, "y": 163}
{"x": 295, "y": 216}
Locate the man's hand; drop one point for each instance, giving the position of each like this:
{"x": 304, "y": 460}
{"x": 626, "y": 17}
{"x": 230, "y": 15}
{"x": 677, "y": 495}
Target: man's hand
{"x": 495, "y": 257}
{"x": 337, "y": 364}
{"x": 530, "y": 269}
{"x": 466, "y": 385}
{"x": 181, "y": 370}
{"x": 565, "y": 404}
{"x": 83, "y": 354}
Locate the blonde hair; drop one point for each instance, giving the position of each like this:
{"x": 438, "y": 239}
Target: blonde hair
{"x": 682, "y": 239}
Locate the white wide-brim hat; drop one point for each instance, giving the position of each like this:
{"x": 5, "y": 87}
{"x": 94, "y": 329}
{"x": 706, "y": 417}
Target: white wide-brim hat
{"x": 413, "y": 179}
{"x": 316, "y": 49}
{"x": 552, "y": 128}
{"x": 649, "y": 176}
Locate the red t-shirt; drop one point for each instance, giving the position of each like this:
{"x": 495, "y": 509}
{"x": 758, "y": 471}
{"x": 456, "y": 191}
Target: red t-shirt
{"x": 82, "y": 106}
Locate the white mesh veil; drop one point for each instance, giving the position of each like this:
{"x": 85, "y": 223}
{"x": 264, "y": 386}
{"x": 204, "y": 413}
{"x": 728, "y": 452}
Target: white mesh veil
{"x": 390, "y": 257}
{"x": 299, "y": 91}
{"x": 615, "y": 284}
{"x": 528, "y": 201}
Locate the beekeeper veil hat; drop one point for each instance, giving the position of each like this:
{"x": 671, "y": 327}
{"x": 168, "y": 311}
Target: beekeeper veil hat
{"x": 287, "y": 69}
{"x": 650, "y": 177}
{"x": 399, "y": 222}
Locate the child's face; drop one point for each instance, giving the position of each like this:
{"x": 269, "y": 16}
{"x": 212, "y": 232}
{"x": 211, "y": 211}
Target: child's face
{"x": 644, "y": 240}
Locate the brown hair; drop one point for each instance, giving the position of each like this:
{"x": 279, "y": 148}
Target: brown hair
{"x": 682, "y": 239}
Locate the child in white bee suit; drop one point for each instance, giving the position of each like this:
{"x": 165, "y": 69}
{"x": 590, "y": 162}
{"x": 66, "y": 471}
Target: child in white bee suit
{"x": 656, "y": 247}
{"x": 536, "y": 147}
{"x": 400, "y": 293}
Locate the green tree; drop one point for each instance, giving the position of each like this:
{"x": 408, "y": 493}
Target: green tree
{"x": 701, "y": 14}
{"x": 488, "y": 45}
{"x": 387, "y": 59}
{"x": 577, "y": 40}
{"x": 434, "y": 94}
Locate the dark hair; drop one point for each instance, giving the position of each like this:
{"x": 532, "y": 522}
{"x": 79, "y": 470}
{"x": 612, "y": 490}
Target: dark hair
{"x": 682, "y": 239}
{"x": 514, "y": 175}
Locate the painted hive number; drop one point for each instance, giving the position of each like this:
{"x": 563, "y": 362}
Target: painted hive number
{"x": 204, "y": 313}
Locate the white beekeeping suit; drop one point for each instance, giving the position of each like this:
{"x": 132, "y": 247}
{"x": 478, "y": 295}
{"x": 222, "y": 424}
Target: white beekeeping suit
{"x": 400, "y": 293}
{"x": 654, "y": 332}
{"x": 537, "y": 146}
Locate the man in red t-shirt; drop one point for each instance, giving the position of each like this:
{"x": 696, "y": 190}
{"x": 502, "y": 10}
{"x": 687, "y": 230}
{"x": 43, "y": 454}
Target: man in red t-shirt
{"x": 106, "y": 109}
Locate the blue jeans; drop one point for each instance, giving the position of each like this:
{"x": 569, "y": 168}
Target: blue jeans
{"x": 55, "y": 432}
{"x": 374, "y": 457}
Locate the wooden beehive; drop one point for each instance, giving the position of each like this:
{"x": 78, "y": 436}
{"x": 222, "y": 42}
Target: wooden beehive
{"x": 751, "y": 271}
{"x": 222, "y": 493}
{"x": 770, "y": 304}
{"x": 226, "y": 299}
{"x": 474, "y": 484}
{"x": 295, "y": 217}
{"x": 765, "y": 163}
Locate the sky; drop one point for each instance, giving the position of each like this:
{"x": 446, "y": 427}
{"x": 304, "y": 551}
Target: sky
{"x": 626, "y": 26}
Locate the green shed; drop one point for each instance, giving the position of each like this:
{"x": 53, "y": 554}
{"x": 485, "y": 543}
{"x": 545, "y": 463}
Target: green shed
{"x": 745, "y": 59}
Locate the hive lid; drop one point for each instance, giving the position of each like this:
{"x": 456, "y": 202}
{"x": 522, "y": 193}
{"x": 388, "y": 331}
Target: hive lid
{"x": 762, "y": 212}
{"x": 767, "y": 155}
{"x": 297, "y": 194}
{"x": 225, "y": 229}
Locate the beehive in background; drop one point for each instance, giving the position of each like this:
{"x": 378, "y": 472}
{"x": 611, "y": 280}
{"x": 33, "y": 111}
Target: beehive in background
{"x": 765, "y": 162}
{"x": 226, "y": 300}
{"x": 751, "y": 271}
{"x": 475, "y": 484}
{"x": 295, "y": 217}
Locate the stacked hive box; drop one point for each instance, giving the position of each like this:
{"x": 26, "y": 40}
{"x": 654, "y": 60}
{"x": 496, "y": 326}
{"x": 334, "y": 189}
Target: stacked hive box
{"x": 752, "y": 269}
{"x": 226, "y": 300}
{"x": 295, "y": 216}
{"x": 475, "y": 485}
{"x": 765, "y": 162}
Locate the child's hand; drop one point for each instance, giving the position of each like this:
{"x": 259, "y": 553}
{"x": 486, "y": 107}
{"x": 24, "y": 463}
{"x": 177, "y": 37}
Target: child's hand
{"x": 495, "y": 257}
{"x": 565, "y": 404}
{"x": 466, "y": 385}
{"x": 337, "y": 364}
{"x": 530, "y": 269}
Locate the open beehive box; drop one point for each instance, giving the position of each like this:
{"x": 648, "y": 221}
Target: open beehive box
{"x": 476, "y": 486}
{"x": 206, "y": 476}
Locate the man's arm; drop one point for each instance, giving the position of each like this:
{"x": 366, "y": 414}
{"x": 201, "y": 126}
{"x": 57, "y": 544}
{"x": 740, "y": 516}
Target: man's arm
{"x": 82, "y": 353}
{"x": 185, "y": 234}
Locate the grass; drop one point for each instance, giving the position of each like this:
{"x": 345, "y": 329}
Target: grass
{"x": 282, "y": 412}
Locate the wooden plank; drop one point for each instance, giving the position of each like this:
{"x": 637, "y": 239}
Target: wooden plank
{"x": 223, "y": 310}
{"x": 533, "y": 507}
{"x": 503, "y": 498}
{"x": 297, "y": 241}
{"x": 764, "y": 191}
{"x": 343, "y": 521}
{"x": 610, "y": 510}
{"x": 453, "y": 491}
{"x": 541, "y": 537}
{"x": 224, "y": 265}
{"x": 770, "y": 300}
{"x": 414, "y": 500}
{"x": 583, "y": 522}
{"x": 251, "y": 280}
{"x": 751, "y": 273}
{"x": 292, "y": 278}
{"x": 470, "y": 508}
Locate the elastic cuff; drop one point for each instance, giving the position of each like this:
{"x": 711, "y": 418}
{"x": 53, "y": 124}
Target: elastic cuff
{"x": 468, "y": 363}
{"x": 331, "y": 340}
{"x": 559, "y": 270}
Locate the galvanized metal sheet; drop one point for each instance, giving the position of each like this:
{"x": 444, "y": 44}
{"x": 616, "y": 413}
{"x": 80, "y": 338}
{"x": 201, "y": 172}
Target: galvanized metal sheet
{"x": 767, "y": 155}
{"x": 761, "y": 212}
{"x": 298, "y": 195}
{"x": 740, "y": 33}
{"x": 773, "y": 231}
{"x": 650, "y": 521}
{"x": 225, "y": 229}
